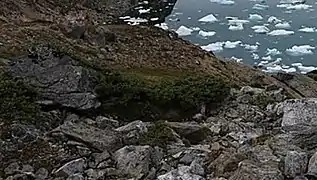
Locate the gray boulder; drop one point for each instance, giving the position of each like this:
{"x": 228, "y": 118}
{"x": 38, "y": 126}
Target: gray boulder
{"x": 76, "y": 177}
{"x": 12, "y": 168}
{"x": 312, "y": 166}
{"x": 182, "y": 172}
{"x": 71, "y": 168}
{"x": 133, "y": 131}
{"x": 295, "y": 163}
{"x": 41, "y": 174}
{"x": 299, "y": 111}
{"x": 97, "y": 138}
{"x": 133, "y": 161}
{"x": 57, "y": 78}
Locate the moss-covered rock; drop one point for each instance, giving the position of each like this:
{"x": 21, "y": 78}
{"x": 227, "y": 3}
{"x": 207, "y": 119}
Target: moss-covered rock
{"x": 148, "y": 97}
{"x": 18, "y": 101}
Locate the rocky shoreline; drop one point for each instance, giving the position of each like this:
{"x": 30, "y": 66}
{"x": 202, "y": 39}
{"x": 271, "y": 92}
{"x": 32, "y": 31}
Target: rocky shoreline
{"x": 86, "y": 97}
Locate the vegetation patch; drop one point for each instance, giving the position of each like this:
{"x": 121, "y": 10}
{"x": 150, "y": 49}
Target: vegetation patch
{"x": 148, "y": 97}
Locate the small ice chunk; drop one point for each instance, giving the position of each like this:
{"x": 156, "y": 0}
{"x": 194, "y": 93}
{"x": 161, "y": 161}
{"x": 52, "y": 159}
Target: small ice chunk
{"x": 306, "y": 69}
{"x": 255, "y": 17}
{"x": 294, "y": 6}
{"x": 236, "y": 59}
{"x": 284, "y": 25}
{"x": 231, "y": 45}
{"x": 308, "y": 29}
{"x": 125, "y": 17}
{"x": 135, "y": 21}
{"x": 255, "y": 56}
{"x": 273, "y": 19}
{"x": 289, "y": 70}
{"x": 214, "y": 47}
{"x": 184, "y": 31}
{"x": 274, "y": 69}
{"x": 280, "y": 32}
{"x": 292, "y": 1}
{"x": 142, "y": 11}
{"x": 250, "y": 47}
{"x": 162, "y": 26}
{"x": 300, "y": 50}
{"x": 272, "y": 52}
{"x": 154, "y": 19}
{"x": 209, "y": 18}
{"x": 223, "y": 2}
{"x": 267, "y": 58}
{"x": 260, "y": 29}
{"x": 260, "y": 7}
{"x": 237, "y": 27}
{"x": 196, "y": 28}
{"x": 297, "y": 64}
{"x": 206, "y": 33}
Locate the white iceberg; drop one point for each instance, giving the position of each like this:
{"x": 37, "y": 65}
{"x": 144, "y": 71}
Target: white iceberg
{"x": 297, "y": 64}
{"x": 300, "y": 50}
{"x": 306, "y": 69}
{"x": 267, "y": 58}
{"x": 236, "y": 21}
{"x": 214, "y": 47}
{"x": 237, "y": 27}
{"x": 284, "y": 25}
{"x": 206, "y": 33}
{"x": 184, "y": 31}
{"x": 255, "y": 56}
{"x": 231, "y": 45}
{"x": 272, "y": 52}
{"x": 294, "y": 6}
{"x": 255, "y": 17}
{"x": 250, "y": 47}
{"x": 209, "y": 18}
{"x": 260, "y": 29}
{"x": 223, "y": 2}
{"x": 273, "y": 19}
{"x": 280, "y": 32}
{"x": 308, "y": 29}
{"x": 236, "y": 59}
{"x": 260, "y": 7}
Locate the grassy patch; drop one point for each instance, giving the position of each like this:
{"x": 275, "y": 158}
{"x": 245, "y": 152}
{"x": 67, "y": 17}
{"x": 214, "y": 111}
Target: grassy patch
{"x": 17, "y": 100}
{"x": 148, "y": 97}
{"x": 262, "y": 100}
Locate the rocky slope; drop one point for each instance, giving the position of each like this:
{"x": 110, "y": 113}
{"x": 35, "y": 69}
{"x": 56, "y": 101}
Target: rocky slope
{"x": 85, "y": 97}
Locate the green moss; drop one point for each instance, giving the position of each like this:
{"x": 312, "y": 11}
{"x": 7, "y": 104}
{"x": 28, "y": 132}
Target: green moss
{"x": 137, "y": 96}
{"x": 17, "y": 100}
{"x": 158, "y": 134}
{"x": 262, "y": 100}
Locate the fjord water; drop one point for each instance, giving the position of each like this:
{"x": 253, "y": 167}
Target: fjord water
{"x": 298, "y": 19}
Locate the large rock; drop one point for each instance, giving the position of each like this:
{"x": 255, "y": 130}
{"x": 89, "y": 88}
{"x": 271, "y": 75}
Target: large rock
{"x": 133, "y": 131}
{"x": 97, "y": 138}
{"x": 57, "y": 78}
{"x": 71, "y": 168}
{"x": 312, "y": 166}
{"x": 133, "y": 161}
{"x": 249, "y": 170}
{"x": 182, "y": 172}
{"x": 190, "y": 130}
{"x": 295, "y": 163}
{"x": 299, "y": 111}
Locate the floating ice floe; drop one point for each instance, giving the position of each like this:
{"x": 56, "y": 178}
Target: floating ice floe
{"x": 206, "y": 33}
{"x": 284, "y": 25}
{"x": 135, "y": 21}
{"x": 255, "y": 17}
{"x": 162, "y": 26}
{"x": 232, "y": 44}
{"x": 294, "y": 6}
{"x": 308, "y": 29}
{"x": 306, "y": 69}
{"x": 260, "y": 29}
{"x": 273, "y": 19}
{"x": 184, "y": 31}
{"x": 260, "y": 7}
{"x": 292, "y": 1}
{"x": 237, "y": 27}
{"x": 280, "y": 32}
{"x": 255, "y": 56}
{"x": 236, "y": 59}
{"x": 267, "y": 58}
{"x": 196, "y": 28}
{"x": 236, "y": 20}
{"x": 272, "y": 52}
{"x": 214, "y": 47}
{"x": 223, "y": 2}
{"x": 300, "y": 50}
{"x": 209, "y": 18}
{"x": 250, "y": 47}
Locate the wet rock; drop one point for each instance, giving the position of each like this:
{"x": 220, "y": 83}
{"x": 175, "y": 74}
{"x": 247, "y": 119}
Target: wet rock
{"x": 312, "y": 166}
{"x": 133, "y": 161}
{"x": 70, "y": 168}
{"x": 57, "y": 79}
{"x": 92, "y": 136}
{"x": 190, "y": 130}
{"x": 104, "y": 122}
{"x": 295, "y": 163}
{"x": 133, "y": 131}
{"x": 182, "y": 172}
{"x": 299, "y": 111}
{"x": 41, "y": 174}
{"x": 249, "y": 170}
{"x": 12, "y": 168}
